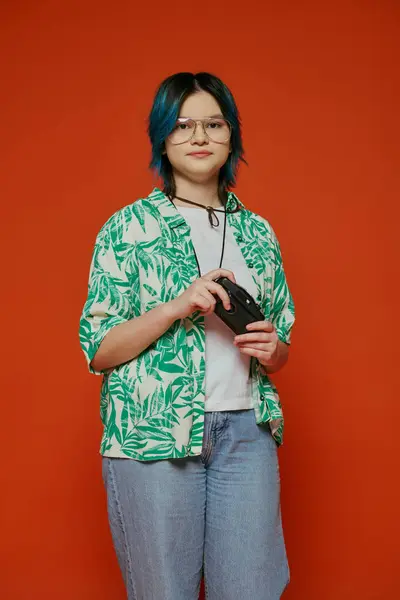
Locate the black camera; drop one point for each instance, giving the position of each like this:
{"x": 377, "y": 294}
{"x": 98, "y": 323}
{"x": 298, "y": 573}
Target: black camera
{"x": 244, "y": 309}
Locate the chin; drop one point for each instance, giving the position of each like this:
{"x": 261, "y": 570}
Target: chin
{"x": 201, "y": 172}
{"x": 201, "y": 176}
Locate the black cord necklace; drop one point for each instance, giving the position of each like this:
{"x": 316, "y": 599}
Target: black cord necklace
{"x": 213, "y": 219}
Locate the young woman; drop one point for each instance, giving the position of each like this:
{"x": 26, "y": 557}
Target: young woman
{"x": 191, "y": 419}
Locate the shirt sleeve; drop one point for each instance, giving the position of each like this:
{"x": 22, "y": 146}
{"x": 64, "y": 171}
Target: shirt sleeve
{"x": 109, "y": 299}
{"x": 282, "y": 306}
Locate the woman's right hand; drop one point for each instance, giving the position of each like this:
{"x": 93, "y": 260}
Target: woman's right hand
{"x": 199, "y": 295}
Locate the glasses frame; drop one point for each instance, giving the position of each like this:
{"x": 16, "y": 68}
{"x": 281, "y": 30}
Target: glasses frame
{"x": 202, "y": 121}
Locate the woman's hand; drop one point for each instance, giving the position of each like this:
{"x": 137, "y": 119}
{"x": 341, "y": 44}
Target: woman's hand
{"x": 262, "y": 342}
{"x": 201, "y": 295}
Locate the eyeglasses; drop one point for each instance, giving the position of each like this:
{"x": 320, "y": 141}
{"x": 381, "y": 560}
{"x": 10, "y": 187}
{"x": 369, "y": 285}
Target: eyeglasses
{"x": 216, "y": 129}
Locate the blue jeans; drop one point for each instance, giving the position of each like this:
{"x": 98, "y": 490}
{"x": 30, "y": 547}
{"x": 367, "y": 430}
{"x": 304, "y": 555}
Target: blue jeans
{"x": 220, "y": 512}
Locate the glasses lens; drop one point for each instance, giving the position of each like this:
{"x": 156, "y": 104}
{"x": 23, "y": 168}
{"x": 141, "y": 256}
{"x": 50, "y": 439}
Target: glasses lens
{"x": 218, "y": 130}
{"x": 182, "y": 131}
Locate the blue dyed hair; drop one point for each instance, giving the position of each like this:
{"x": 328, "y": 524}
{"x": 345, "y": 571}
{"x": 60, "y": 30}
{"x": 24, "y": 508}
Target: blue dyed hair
{"x": 168, "y": 100}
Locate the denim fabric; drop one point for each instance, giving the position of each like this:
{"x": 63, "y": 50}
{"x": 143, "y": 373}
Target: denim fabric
{"x": 218, "y": 513}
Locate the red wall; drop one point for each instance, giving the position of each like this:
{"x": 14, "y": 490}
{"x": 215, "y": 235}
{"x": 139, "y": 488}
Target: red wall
{"x": 317, "y": 86}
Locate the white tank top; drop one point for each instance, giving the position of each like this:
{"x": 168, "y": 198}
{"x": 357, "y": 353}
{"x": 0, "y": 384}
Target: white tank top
{"x": 227, "y": 369}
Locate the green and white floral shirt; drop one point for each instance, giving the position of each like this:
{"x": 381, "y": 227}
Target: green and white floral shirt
{"x": 152, "y": 407}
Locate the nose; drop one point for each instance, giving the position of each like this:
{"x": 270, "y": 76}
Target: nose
{"x": 199, "y": 136}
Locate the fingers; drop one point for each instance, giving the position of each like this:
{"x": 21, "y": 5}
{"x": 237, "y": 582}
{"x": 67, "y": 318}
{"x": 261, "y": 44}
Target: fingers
{"x": 206, "y": 302}
{"x": 215, "y": 273}
{"x": 210, "y": 288}
{"x": 261, "y": 326}
{"x": 205, "y": 290}
{"x": 260, "y": 354}
{"x": 248, "y": 338}
{"x": 264, "y": 346}
{"x": 216, "y": 288}
{"x": 259, "y": 331}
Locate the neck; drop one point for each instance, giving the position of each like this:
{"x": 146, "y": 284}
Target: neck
{"x": 202, "y": 193}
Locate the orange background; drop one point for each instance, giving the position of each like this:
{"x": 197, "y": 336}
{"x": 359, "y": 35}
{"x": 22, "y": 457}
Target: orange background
{"x": 317, "y": 87}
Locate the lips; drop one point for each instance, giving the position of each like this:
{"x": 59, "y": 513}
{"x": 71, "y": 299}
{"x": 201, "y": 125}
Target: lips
{"x": 200, "y": 153}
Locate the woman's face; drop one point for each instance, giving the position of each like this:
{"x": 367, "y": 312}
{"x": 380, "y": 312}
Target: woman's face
{"x": 202, "y": 167}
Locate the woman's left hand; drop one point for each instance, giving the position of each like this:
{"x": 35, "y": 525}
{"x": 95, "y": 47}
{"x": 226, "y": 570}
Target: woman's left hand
{"x": 261, "y": 342}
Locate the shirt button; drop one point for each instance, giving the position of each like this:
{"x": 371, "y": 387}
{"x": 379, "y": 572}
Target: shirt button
{"x": 250, "y": 265}
{"x": 239, "y": 238}
{"x": 262, "y": 397}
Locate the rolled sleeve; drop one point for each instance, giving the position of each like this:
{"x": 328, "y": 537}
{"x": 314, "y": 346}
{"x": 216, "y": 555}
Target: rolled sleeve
{"x": 282, "y": 306}
{"x": 109, "y": 300}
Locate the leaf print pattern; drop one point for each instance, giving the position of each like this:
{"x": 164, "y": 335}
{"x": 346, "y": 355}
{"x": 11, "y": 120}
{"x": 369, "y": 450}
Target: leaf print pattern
{"x": 152, "y": 407}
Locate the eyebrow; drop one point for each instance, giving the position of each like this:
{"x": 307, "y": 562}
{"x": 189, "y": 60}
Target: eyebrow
{"x": 217, "y": 116}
